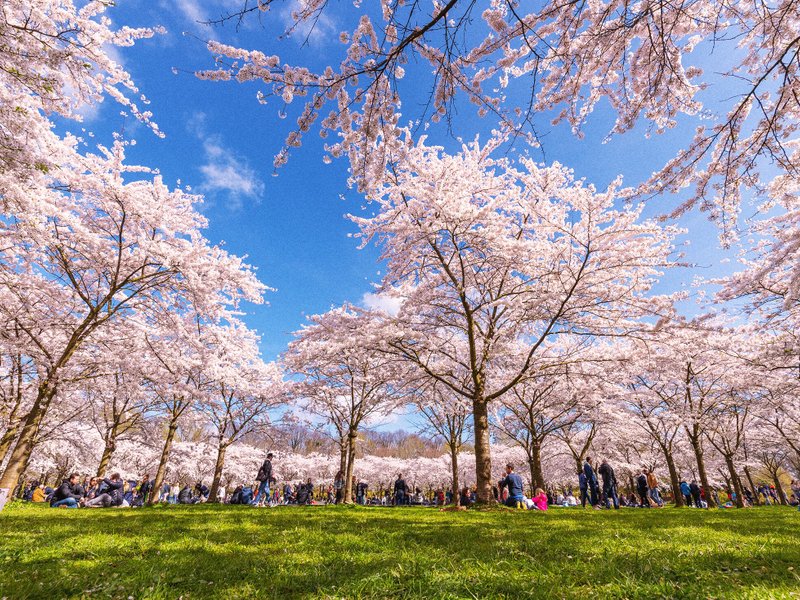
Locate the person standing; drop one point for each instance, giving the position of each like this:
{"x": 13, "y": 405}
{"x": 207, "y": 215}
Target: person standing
{"x": 361, "y": 492}
{"x": 686, "y": 492}
{"x": 338, "y": 486}
{"x": 584, "y": 488}
{"x": 591, "y": 482}
{"x": 652, "y": 486}
{"x": 609, "y": 484}
{"x": 513, "y": 483}
{"x": 264, "y": 476}
{"x": 400, "y": 490}
{"x": 641, "y": 488}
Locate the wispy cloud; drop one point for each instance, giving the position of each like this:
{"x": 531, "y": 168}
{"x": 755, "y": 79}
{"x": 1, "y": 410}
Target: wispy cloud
{"x": 224, "y": 171}
{"x": 192, "y": 16}
{"x": 315, "y": 28}
{"x": 192, "y": 10}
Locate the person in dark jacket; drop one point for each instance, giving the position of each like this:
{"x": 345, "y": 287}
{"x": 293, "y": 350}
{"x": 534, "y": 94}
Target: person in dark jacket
{"x": 694, "y": 490}
{"x": 236, "y": 496}
{"x": 513, "y": 482}
{"x": 109, "y": 493}
{"x": 68, "y": 494}
{"x": 400, "y": 490}
{"x": 185, "y": 495}
{"x": 609, "y": 484}
{"x": 264, "y": 477}
{"x": 641, "y": 488}
{"x": 591, "y": 482}
{"x": 584, "y": 488}
{"x": 146, "y": 488}
{"x": 201, "y": 492}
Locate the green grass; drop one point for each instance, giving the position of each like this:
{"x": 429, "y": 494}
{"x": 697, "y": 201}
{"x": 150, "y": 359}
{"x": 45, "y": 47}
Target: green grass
{"x": 353, "y": 552}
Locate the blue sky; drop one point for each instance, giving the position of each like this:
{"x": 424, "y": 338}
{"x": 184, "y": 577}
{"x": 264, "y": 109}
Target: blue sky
{"x": 221, "y": 142}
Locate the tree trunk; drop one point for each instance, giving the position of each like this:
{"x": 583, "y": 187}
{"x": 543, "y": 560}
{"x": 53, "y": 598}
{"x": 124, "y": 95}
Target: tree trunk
{"x": 779, "y": 488}
{"x": 352, "y": 436}
{"x": 108, "y": 450}
{"x": 737, "y": 485}
{"x": 753, "y": 487}
{"x": 483, "y": 458}
{"x": 535, "y": 463}
{"x": 697, "y": 446}
{"x": 673, "y": 477}
{"x": 221, "y": 449}
{"x": 343, "y": 455}
{"x": 454, "y": 473}
{"x": 162, "y": 465}
{"x": 27, "y": 438}
{"x": 10, "y": 434}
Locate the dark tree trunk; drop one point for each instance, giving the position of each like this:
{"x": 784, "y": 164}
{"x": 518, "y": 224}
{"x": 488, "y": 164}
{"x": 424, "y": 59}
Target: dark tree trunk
{"x": 27, "y": 439}
{"x": 779, "y": 488}
{"x": 10, "y": 434}
{"x": 753, "y": 488}
{"x": 483, "y": 459}
{"x": 697, "y": 446}
{"x": 162, "y": 464}
{"x": 108, "y": 450}
{"x": 737, "y": 485}
{"x": 352, "y": 437}
{"x": 673, "y": 477}
{"x": 454, "y": 472}
{"x": 222, "y": 448}
{"x": 535, "y": 464}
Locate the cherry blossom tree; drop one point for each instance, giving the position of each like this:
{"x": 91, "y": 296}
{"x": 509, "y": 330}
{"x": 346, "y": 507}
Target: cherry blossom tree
{"x": 117, "y": 396}
{"x": 558, "y": 61}
{"x": 244, "y": 390}
{"x": 652, "y": 398}
{"x": 534, "y": 410}
{"x": 345, "y": 380}
{"x": 446, "y": 415}
{"x": 57, "y": 59}
{"x": 103, "y": 250}
{"x": 485, "y": 252}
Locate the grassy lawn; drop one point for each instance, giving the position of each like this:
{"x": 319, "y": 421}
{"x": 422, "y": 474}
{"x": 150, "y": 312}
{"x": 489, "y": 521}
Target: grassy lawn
{"x": 331, "y": 552}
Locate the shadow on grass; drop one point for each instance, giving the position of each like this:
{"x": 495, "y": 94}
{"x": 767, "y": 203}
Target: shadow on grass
{"x": 291, "y": 552}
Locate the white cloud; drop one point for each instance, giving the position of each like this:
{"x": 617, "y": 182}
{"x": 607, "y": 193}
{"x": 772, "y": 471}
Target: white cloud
{"x": 192, "y": 11}
{"x": 224, "y": 171}
{"x": 316, "y": 29}
{"x": 388, "y": 304}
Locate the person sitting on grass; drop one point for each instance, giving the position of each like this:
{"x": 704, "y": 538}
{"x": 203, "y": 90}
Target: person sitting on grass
{"x": 185, "y": 495}
{"x": 796, "y": 492}
{"x": 247, "y": 495}
{"x": 67, "y": 495}
{"x": 109, "y": 493}
{"x": 236, "y": 495}
{"x": 539, "y": 500}
{"x": 201, "y": 492}
{"x": 38, "y": 494}
{"x": 513, "y": 483}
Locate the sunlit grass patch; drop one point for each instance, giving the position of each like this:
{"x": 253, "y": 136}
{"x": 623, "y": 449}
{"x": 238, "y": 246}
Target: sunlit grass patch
{"x": 333, "y": 552}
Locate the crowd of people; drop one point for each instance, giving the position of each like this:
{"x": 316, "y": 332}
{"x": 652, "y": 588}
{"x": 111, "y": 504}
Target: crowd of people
{"x": 593, "y": 491}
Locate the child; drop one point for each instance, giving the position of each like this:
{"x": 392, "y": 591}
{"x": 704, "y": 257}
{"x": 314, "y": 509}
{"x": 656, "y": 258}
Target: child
{"x": 539, "y": 500}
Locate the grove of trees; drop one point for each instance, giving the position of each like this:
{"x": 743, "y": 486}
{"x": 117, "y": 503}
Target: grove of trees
{"x": 529, "y": 319}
